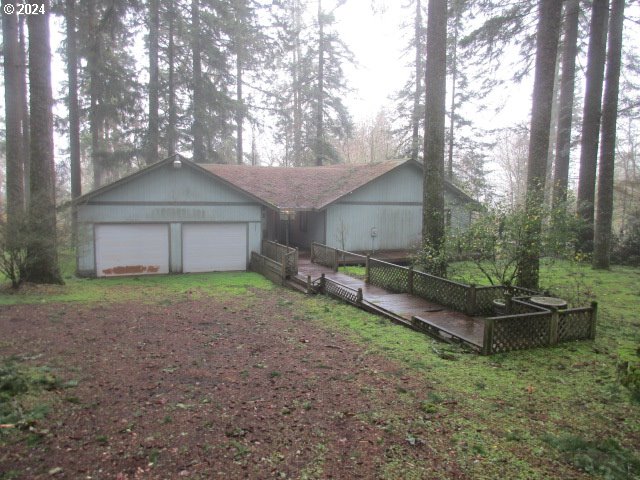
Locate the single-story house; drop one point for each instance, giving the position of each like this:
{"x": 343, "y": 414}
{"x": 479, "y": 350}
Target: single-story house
{"x": 178, "y": 216}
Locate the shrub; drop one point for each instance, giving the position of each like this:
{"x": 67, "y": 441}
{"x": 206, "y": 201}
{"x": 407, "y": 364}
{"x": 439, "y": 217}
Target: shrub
{"x": 626, "y": 250}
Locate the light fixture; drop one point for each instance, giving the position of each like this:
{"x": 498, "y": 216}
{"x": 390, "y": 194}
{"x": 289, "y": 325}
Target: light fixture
{"x": 177, "y": 163}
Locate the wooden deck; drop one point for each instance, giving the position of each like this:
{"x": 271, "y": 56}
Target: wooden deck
{"x": 431, "y": 318}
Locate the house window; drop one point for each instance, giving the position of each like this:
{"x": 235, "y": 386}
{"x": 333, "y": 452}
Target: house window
{"x": 447, "y": 217}
{"x": 303, "y": 222}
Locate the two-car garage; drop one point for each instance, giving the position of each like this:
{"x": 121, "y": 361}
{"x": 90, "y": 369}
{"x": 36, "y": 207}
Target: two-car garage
{"x": 170, "y": 217}
{"x": 145, "y": 248}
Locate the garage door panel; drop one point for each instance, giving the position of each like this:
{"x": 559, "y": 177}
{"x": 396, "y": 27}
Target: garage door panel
{"x": 124, "y": 249}
{"x": 214, "y": 247}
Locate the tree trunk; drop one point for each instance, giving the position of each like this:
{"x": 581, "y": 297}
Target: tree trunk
{"x": 591, "y": 120}
{"x": 13, "y": 121}
{"x": 549, "y": 17}
{"x": 24, "y": 101}
{"x": 171, "y": 127}
{"x": 567, "y": 82}
{"x": 417, "y": 96}
{"x": 74, "y": 116}
{"x": 320, "y": 111}
{"x": 239, "y": 107}
{"x": 152, "y": 134}
{"x": 198, "y": 106}
{"x": 42, "y": 260}
{"x": 435, "y": 81}
{"x": 96, "y": 121}
{"x": 454, "y": 78}
{"x": 297, "y": 102}
{"x": 553, "y": 133}
{"x": 604, "y": 213}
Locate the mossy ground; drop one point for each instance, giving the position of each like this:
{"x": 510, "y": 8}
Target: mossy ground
{"x": 547, "y": 413}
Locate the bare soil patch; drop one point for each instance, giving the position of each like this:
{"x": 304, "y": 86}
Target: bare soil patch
{"x": 235, "y": 387}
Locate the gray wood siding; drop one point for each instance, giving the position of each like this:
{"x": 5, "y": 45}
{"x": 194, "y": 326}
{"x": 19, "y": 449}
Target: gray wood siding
{"x": 403, "y": 184}
{"x": 398, "y": 226}
{"x": 168, "y": 184}
{"x": 393, "y": 205}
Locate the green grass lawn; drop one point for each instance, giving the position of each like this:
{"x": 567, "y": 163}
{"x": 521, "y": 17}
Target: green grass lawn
{"x": 146, "y": 288}
{"x": 509, "y": 413}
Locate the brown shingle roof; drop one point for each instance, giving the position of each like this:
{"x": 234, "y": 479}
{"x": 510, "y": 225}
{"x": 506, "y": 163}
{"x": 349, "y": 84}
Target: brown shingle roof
{"x": 303, "y": 188}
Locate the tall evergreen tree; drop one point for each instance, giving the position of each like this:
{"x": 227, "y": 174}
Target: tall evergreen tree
{"x": 111, "y": 83}
{"x": 74, "y": 113}
{"x": 24, "y": 101}
{"x": 172, "y": 124}
{"x": 310, "y": 131}
{"x": 591, "y": 119}
{"x": 154, "y": 82}
{"x": 409, "y": 112}
{"x": 604, "y": 214}
{"x": 13, "y": 121}
{"x": 198, "y": 98}
{"x": 417, "y": 111}
{"x": 567, "y": 83}
{"x": 42, "y": 262}
{"x": 550, "y": 14}
{"x": 435, "y": 79}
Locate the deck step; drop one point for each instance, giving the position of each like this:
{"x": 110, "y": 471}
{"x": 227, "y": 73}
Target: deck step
{"x": 298, "y": 280}
{"x": 296, "y": 285}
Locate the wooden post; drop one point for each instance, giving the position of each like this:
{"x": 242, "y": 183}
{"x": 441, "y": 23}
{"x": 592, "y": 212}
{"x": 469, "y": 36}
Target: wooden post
{"x": 487, "y": 340}
{"x": 508, "y": 304}
{"x": 366, "y": 269}
{"x": 553, "y": 326}
{"x": 359, "y": 296}
{"x": 308, "y": 283}
{"x": 471, "y": 299}
{"x": 335, "y": 259}
{"x": 323, "y": 284}
{"x": 594, "y": 318}
{"x": 283, "y": 271}
{"x": 410, "y": 280}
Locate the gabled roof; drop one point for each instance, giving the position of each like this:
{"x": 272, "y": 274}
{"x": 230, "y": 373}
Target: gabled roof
{"x": 301, "y": 188}
{"x": 298, "y": 188}
{"x": 311, "y": 188}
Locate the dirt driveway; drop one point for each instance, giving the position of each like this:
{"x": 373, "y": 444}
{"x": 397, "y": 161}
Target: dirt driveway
{"x": 235, "y": 387}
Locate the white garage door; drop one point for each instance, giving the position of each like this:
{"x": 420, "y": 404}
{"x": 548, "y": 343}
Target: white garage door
{"x": 131, "y": 249}
{"x": 214, "y": 247}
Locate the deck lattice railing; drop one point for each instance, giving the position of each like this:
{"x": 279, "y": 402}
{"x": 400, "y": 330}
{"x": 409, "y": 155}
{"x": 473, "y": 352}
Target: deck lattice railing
{"x": 538, "y": 329}
{"x": 389, "y": 276}
{"x": 485, "y": 297}
{"x": 522, "y": 325}
{"x": 577, "y": 323}
{"x": 444, "y": 292}
{"x": 338, "y": 290}
{"x": 323, "y": 255}
{"x": 281, "y": 254}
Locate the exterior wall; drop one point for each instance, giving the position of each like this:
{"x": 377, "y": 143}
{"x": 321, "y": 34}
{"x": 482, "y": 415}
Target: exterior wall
{"x": 397, "y": 226}
{"x": 172, "y": 196}
{"x": 392, "y": 205}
